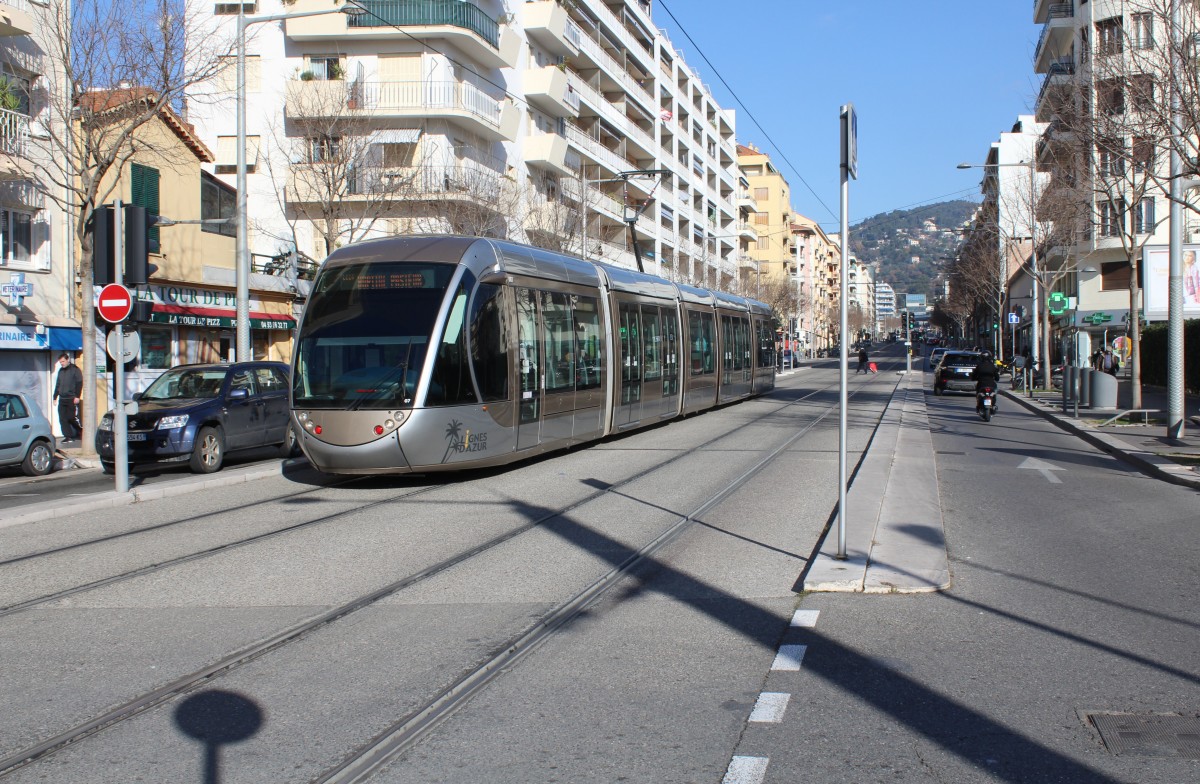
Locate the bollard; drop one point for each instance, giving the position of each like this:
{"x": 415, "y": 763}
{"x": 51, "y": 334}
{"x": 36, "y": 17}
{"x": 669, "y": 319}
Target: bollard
{"x": 1085, "y": 387}
{"x": 1075, "y": 392}
{"x": 1066, "y": 387}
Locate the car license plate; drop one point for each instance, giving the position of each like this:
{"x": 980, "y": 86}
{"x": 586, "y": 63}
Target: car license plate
{"x": 986, "y": 402}
{"x": 135, "y": 436}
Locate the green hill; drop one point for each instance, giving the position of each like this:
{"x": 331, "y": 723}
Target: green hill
{"x": 909, "y": 247}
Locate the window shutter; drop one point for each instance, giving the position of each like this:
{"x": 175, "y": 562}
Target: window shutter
{"x": 144, "y": 193}
{"x": 41, "y": 241}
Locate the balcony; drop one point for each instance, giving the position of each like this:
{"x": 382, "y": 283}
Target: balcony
{"x": 467, "y": 183}
{"x": 460, "y": 23}
{"x": 547, "y": 151}
{"x": 1056, "y": 37}
{"x": 747, "y": 232}
{"x": 462, "y": 102}
{"x": 1055, "y": 87}
{"x": 16, "y": 17}
{"x": 549, "y": 89}
{"x": 547, "y": 23}
{"x": 14, "y": 144}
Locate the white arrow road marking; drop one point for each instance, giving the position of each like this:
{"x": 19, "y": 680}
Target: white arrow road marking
{"x": 1033, "y": 464}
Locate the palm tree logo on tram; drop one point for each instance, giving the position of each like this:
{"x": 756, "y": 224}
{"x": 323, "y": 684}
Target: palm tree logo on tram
{"x": 455, "y": 441}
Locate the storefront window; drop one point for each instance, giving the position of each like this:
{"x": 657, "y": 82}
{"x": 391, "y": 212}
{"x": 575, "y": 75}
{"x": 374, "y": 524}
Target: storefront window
{"x": 156, "y": 348}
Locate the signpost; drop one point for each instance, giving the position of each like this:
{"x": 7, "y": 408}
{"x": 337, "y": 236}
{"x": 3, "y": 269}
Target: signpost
{"x": 115, "y": 303}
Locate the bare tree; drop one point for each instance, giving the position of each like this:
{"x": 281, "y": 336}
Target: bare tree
{"x": 553, "y": 215}
{"x": 1120, "y": 142}
{"x": 113, "y": 69}
{"x": 332, "y": 170}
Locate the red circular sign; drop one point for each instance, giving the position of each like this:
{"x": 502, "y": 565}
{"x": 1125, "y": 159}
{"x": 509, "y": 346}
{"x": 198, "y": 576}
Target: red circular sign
{"x": 115, "y": 303}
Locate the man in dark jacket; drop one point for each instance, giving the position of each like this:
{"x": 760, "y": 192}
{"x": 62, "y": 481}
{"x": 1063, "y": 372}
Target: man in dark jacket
{"x": 67, "y": 390}
{"x": 985, "y": 375}
{"x": 863, "y": 361}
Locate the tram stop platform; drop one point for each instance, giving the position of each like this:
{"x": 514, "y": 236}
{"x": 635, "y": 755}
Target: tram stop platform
{"x": 895, "y": 539}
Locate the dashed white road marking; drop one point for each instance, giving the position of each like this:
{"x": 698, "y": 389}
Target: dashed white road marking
{"x": 805, "y": 618}
{"x": 770, "y": 707}
{"x": 789, "y": 657}
{"x": 746, "y": 770}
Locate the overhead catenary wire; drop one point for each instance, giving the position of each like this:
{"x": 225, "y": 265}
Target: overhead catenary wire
{"x": 746, "y": 109}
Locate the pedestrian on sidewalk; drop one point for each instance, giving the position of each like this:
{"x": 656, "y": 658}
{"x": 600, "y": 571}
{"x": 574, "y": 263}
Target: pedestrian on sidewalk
{"x": 67, "y": 389}
{"x": 863, "y": 359}
{"x": 1109, "y": 363}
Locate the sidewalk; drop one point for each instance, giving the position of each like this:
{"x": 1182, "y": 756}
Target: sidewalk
{"x": 1142, "y": 445}
{"x": 895, "y": 539}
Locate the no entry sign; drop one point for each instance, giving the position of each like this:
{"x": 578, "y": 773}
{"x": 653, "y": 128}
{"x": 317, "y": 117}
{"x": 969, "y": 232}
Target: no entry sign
{"x": 115, "y": 303}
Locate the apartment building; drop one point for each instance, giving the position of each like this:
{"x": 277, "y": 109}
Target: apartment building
{"x": 38, "y": 309}
{"x": 1011, "y": 185}
{"x": 771, "y": 244}
{"x": 885, "y": 306}
{"x": 552, "y": 122}
{"x": 818, "y": 262}
{"x": 1104, "y": 66}
{"x": 860, "y": 295}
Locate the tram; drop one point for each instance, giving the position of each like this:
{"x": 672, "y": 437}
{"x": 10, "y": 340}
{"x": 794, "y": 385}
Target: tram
{"x": 418, "y": 354}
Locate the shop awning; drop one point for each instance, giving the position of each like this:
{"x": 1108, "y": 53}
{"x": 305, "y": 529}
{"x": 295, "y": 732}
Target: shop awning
{"x": 65, "y": 338}
{"x": 179, "y": 315}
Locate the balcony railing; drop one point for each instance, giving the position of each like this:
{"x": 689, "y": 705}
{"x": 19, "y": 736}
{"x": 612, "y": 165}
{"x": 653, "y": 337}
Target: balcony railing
{"x": 472, "y": 182}
{"x": 14, "y": 132}
{"x": 379, "y": 97}
{"x": 1057, "y": 11}
{"x": 415, "y": 13}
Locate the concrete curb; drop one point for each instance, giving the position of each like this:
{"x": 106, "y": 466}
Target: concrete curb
{"x": 895, "y": 536}
{"x": 1145, "y": 461}
{"x": 65, "y": 508}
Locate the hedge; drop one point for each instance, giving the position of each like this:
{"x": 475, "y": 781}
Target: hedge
{"x": 1154, "y": 355}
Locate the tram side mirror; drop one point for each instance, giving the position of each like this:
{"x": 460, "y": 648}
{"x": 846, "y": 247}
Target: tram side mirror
{"x": 494, "y": 276}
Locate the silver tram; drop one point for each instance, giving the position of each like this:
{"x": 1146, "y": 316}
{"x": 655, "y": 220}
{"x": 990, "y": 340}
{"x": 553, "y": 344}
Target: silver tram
{"x": 420, "y": 354}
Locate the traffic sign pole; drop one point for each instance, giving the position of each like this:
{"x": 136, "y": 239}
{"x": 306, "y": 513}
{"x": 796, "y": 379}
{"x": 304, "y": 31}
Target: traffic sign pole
{"x": 120, "y": 426}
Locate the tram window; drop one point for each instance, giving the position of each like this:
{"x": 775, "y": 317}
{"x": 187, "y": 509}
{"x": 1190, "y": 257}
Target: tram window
{"x": 701, "y": 334}
{"x": 652, "y": 343}
{"x": 586, "y": 314}
{"x": 450, "y": 382}
{"x": 559, "y": 339}
{"x": 489, "y": 346}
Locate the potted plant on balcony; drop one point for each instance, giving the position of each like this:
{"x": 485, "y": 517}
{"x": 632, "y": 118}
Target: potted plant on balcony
{"x": 10, "y": 95}
{"x": 307, "y": 76}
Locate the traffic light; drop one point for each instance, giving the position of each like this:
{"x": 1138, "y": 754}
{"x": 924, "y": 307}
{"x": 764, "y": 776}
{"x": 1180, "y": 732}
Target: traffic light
{"x": 141, "y": 239}
{"x": 101, "y": 228}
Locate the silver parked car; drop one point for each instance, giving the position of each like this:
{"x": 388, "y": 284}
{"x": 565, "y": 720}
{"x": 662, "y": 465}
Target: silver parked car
{"x": 25, "y": 436}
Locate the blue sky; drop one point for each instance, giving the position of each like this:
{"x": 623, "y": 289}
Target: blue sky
{"x": 934, "y": 84}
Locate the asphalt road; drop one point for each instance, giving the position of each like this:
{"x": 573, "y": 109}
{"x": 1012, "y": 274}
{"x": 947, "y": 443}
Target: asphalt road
{"x": 1072, "y": 588}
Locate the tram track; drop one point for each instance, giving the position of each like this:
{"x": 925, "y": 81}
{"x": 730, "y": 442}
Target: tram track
{"x": 407, "y": 731}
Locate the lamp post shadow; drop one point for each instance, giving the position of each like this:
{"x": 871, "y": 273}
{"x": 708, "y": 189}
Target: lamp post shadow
{"x": 217, "y": 718}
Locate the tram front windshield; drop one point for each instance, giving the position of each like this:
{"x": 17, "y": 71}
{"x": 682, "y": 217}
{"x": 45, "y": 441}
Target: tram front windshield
{"x": 366, "y": 333}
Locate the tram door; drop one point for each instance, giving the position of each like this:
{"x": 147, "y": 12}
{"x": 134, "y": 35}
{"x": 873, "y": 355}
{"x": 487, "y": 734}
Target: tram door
{"x": 558, "y": 379}
{"x": 652, "y": 362}
{"x": 529, "y": 371}
{"x": 629, "y": 405}
{"x": 670, "y": 342}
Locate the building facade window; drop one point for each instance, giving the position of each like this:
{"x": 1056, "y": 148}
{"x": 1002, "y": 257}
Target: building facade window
{"x": 217, "y": 202}
{"x": 1110, "y": 36}
{"x": 323, "y": 68}
{"x": 16, "y": 237}
{"x": 1143, "y": 216}
{"x": 144, "y": 193}
{"x": 1112, "y": 218}
{"x": 1143, "y": 31}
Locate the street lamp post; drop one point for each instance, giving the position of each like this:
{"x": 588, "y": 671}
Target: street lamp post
{"x": 242, "y": 349}
{"x": 1036, "y": 347}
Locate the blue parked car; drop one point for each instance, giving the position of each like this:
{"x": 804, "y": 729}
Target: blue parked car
{"x": 199, "y": 413}
{"x": 25, "y": 436}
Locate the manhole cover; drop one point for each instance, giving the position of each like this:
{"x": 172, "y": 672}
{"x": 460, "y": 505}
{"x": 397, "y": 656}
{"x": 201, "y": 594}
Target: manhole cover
{"x": 1149, "y": 735}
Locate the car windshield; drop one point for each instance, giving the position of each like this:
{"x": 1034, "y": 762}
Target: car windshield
{"x": 186, "y": 383}
{"x": 366, "y": 333}
{"x": 960, "y": 360}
